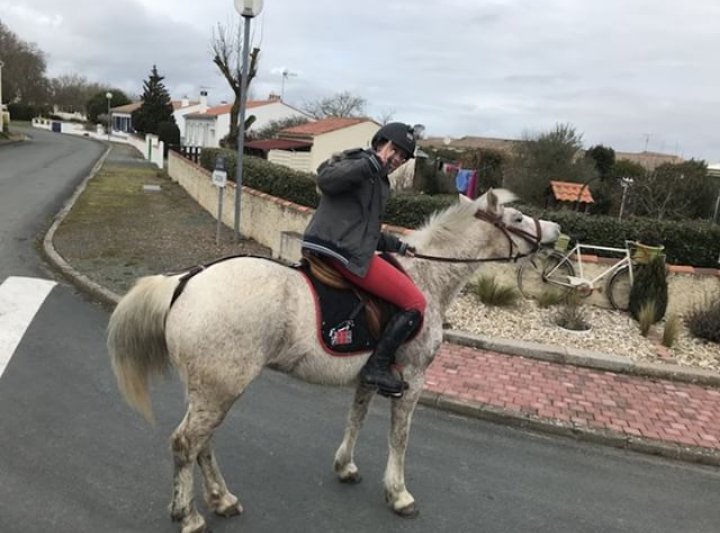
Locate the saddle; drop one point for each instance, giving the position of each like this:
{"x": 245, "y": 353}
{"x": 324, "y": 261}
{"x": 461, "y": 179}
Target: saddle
{"x": 350, "y": 319}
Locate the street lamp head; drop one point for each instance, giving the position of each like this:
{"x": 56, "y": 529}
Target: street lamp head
{"x": 249, "y": 8}
{"x": 108, "y": 95}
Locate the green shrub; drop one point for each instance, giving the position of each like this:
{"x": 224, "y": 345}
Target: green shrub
{"x": 572, "y": 316}
{"x": 646, "y": 317}
{"x": 20, "y": 111}
{"x": 671, "y": 331}
{"x": 169, "y": 133}
{"x": 650, "y": 286}
{"x": 490, "y": 292}
{"x": 704, "y": 321}
{"x": 259, "y": 174}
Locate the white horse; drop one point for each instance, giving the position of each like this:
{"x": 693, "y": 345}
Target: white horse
{"x": 269, "y": 320}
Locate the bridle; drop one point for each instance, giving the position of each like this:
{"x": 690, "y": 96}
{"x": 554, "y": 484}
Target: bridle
{"x": 495, "y": 220}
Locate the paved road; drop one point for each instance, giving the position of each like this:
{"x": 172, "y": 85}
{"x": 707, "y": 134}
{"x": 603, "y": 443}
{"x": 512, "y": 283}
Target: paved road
{"x": 74, "y": 458}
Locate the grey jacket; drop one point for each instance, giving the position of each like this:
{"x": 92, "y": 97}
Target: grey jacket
{"x": 346, "y": 225}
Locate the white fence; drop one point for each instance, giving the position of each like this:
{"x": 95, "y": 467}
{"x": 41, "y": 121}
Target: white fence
{"x": 151, "y": 147}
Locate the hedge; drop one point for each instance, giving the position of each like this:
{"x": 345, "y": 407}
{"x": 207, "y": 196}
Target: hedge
{"x": 690, "y": 242}
{"x": 694, "y": 243}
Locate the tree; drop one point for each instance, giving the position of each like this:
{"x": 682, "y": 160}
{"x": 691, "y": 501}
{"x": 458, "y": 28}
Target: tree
{"x": 224, "y": 49}
{"x": 97, "y": 104}
{"x": 23, "y": 76}
{"x": 554, "y": 155}
{"x": 72, "y": 92}
{"x": 340, "y": 105}
{"x": 674, "y": 191}
{"x": 274, "y": 126}
{"x": 604, "y": 159}
{"x": 156, "y": 105}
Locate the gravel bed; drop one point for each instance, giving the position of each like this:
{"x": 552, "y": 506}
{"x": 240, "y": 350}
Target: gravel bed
{"x": 611, "y": 332}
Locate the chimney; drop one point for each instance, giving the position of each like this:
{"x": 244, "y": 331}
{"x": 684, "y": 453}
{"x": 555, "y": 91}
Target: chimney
{"x": 203, "y": 100}
{"x": 185, "y": 101}
{"x": 274, "y": 97}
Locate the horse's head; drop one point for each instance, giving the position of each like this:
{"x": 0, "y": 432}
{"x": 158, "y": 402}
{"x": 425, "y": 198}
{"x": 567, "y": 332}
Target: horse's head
{"x": 523, "y": 232}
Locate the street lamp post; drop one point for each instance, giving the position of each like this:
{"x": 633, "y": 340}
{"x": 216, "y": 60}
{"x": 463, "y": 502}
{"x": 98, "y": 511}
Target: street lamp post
{"x": 2, "y": 113}
{"x": 108, "y": 95}
{"x": 247, "y": 9}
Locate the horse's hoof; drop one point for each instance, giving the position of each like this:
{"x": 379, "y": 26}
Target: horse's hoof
{"x": 230, "y": 510}
{"x": 195, "y": 525}
{"x": 409, "y": 511}
{"x": 351, "y": 479}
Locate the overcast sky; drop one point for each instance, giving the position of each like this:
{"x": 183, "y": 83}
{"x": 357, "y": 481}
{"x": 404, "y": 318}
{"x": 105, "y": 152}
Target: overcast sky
{"x": 630, "y": 74}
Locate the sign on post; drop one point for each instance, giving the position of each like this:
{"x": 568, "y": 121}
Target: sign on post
{"x": 219, "y": 179}
{"x": 219, "y": 175}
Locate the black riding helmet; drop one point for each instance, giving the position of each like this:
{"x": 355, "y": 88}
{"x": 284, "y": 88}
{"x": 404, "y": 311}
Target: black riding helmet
{"x": 398, "y": 133}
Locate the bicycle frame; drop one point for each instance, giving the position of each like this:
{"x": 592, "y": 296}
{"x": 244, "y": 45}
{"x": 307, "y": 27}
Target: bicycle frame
{"x": 575, "y": 282}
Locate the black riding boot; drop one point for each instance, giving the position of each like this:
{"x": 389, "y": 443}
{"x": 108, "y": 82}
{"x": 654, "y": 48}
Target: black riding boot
{"x": 377, "y": 372}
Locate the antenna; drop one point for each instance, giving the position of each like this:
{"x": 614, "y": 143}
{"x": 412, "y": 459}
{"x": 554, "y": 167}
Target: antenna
{"x": 285, "y": 75}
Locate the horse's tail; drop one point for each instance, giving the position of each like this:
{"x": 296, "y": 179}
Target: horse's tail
{"x": 136, "y": 338}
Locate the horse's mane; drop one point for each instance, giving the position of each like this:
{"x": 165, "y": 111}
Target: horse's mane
{"x": 444, "y": 226}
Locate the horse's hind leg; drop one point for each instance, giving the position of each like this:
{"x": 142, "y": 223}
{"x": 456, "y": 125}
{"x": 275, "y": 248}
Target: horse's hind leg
{"x": 345, "y": 466}
{"x": 217, "y": 495}
{"x": 208, "y": 402}
{"x": 396, "y": 493}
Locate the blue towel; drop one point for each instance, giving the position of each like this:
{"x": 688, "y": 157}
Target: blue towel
{"x": 462, "y": 179}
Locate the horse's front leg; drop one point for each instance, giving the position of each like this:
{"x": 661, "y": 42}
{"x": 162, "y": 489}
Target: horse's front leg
{"x": 345, "y": 466}
{"x": 396, "y": 494}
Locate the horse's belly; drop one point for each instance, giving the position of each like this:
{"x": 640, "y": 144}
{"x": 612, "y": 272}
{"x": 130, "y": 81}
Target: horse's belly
{"x": 324, "y": 369}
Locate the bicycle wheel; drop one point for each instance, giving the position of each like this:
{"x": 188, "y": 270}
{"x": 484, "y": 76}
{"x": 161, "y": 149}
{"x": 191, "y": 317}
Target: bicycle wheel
{"x": 533, "y": 279}
{"x": 618, "y": 289}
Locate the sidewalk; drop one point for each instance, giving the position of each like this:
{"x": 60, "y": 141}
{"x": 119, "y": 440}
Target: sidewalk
{"x": 657, "y": 409}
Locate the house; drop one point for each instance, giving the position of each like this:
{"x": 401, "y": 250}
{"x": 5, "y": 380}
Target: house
{"x": 470, "y": 143}
{"x": 317, "y": 141}
{"x": 122, "y": 115}
{"x": 212, "y": 125}
{"x": 649, "y": 160}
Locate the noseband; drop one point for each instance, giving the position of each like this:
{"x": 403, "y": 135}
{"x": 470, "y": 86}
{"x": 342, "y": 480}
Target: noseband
{"x": 495, "y": 220}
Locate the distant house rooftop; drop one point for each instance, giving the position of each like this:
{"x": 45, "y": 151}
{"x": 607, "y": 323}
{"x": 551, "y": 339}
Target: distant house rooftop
{"x": 565, "y": 191}
{"x": 325, "y": 125}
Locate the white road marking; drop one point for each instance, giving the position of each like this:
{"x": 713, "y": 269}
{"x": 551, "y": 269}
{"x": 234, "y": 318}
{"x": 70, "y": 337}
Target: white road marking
{"x": 20, "y": 300}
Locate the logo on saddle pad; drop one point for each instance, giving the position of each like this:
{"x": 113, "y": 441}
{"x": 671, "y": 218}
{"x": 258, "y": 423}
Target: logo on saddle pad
{"x": 342, "y": 334}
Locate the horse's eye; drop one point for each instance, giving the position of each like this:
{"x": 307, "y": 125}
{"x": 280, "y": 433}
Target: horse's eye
{"x": 518, "y": 219}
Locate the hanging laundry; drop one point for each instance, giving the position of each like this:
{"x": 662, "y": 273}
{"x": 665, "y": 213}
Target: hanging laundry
{"x": 472, "y": 185}
{"x": 462, "y": 179}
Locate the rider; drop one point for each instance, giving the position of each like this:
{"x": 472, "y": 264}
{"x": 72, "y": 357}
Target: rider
{"x": 346, "y": 230}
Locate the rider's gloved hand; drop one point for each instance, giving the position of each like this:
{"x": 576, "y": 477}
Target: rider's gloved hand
{"x": 406, "y": 249}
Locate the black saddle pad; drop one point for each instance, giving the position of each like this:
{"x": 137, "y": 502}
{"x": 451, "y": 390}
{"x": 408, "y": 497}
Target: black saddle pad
{"x": 342, "y": 322}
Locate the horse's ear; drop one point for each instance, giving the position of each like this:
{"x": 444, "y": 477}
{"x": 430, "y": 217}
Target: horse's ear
{"x": 464, "y": 199}
{"x": 492, "y": 200}
{"x": 504, "y": 196}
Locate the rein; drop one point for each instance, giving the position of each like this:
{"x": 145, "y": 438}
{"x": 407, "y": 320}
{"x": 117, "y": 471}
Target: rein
{"x": 496, "y": 221}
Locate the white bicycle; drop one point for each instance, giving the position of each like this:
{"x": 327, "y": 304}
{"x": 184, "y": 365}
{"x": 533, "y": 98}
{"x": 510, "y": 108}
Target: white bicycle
{"x": 555, "y": 270}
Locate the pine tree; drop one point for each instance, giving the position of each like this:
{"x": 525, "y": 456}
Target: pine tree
{"x": 650, "y": 285}
{"x": 156, "y": 105}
